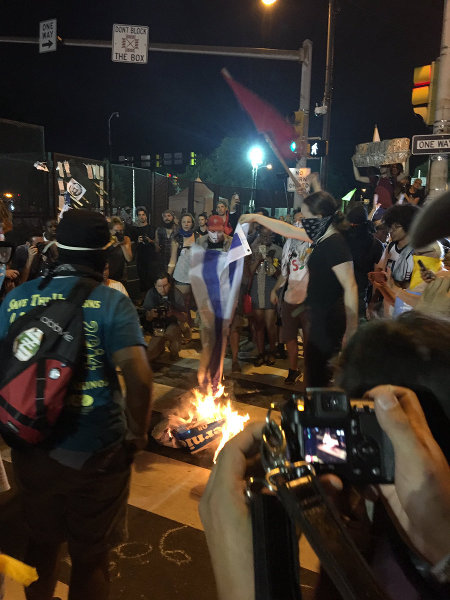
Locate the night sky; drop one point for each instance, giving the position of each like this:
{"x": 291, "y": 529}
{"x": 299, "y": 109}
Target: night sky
{"x": 181, "y": 102}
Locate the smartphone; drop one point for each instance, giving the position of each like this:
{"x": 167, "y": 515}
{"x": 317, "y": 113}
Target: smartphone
{"x": 421, "y": 265}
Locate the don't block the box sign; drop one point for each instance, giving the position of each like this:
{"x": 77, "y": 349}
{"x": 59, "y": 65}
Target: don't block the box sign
{"x": 130, "y": 44}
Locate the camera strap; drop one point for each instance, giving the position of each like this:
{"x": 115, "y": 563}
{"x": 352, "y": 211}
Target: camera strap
{"x": 307, "y": 504}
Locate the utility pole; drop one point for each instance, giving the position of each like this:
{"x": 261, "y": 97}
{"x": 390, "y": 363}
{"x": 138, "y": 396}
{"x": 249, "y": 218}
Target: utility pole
{"x": 304, "y": 104}
{"x": 438, "y": 171}
{"x": 328, "y": 90}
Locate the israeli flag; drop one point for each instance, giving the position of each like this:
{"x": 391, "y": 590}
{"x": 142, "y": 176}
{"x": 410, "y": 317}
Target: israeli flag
{"x": 216, "y": 281}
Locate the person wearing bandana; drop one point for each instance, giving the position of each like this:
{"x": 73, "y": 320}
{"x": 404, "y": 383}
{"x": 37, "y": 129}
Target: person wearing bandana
{"x": 332, "y": 293}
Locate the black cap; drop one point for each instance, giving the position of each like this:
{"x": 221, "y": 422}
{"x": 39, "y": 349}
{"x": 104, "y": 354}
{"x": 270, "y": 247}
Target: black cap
{"x": 81, "y": 229}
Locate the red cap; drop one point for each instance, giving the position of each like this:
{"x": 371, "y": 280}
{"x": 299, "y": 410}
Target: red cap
{"x": 215, "y": 223}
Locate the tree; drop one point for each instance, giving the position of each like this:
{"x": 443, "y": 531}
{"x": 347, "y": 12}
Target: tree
{"x": 227, "y": 165}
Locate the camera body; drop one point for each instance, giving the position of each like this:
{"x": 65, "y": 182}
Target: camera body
{"x": 337, "y": 435}
{"x": 162, "y": 310}
{"x": 40, "y": 247}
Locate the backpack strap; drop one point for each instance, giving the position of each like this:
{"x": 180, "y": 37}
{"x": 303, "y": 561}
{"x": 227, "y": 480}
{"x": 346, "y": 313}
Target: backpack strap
{"x": 81, "y": 290}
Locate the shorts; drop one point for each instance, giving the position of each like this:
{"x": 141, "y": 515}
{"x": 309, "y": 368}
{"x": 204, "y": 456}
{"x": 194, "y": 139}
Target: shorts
{"x": 86, "y": 508}
{"x": 291, "y": 324}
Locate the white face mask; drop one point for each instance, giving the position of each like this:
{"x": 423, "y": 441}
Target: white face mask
{"x": 213, "y": 236}
{"x": 298, "y": 224}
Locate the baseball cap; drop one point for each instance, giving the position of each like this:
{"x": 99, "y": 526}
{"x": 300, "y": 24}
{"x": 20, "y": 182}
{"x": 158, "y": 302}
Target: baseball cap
{"x": 215, "y": 223}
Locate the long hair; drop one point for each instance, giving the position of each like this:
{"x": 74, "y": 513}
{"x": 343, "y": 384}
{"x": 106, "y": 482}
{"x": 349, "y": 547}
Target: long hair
{"x": 323, "y": 203}
{"x": 412, "y": 351}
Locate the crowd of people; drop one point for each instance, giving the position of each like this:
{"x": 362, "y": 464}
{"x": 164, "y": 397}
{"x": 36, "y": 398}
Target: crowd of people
{"x": 311, "y": 277}
{"x": 369, "y": 288}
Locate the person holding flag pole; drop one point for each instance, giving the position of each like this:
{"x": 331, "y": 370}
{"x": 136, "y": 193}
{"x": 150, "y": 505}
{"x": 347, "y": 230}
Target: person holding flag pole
{"x": 332, "y": 293}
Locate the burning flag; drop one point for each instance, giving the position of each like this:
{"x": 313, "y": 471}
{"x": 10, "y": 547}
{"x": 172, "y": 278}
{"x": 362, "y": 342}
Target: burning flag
{"x": 206, "y": 414}
{"x": 216, "y": 280}
{"x": 266, "y": 118}
{"x": 199, "y": 420}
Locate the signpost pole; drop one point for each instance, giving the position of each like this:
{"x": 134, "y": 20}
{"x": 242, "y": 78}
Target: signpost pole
{"x": 438, "y": 171}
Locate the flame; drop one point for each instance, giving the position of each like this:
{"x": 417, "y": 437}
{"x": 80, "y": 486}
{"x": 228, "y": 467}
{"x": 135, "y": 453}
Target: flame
{"x": 211, "y": 407}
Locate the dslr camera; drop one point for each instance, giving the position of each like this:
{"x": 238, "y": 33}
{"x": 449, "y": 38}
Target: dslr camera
{"x": 337, "y": 435}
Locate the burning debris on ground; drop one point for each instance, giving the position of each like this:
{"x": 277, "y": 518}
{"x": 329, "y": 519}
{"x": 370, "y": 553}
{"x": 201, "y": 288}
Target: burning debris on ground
{"x": 200, "y": 420}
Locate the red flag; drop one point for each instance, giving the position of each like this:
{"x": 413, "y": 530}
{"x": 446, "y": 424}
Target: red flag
{"x": 265, "y": 117}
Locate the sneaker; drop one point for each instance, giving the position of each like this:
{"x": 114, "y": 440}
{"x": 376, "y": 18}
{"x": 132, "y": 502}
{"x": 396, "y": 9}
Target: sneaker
{"x": 236, "y": 367}
{"x": 259, "y": 360}
{"x": 292, "y": 377}
{"x": 270, "y": 359}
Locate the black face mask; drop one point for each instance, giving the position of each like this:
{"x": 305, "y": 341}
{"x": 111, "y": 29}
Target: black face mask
{"x": 168, "y": 225}
{"x": 315, "y": 228}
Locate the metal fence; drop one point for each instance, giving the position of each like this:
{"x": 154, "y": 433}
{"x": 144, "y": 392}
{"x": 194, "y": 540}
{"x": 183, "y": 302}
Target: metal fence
{"x": 33, "y": 183}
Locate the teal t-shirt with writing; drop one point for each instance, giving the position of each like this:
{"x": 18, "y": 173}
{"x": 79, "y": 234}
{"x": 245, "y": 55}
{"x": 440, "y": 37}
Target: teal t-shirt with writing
{"x": 93, "y": 418}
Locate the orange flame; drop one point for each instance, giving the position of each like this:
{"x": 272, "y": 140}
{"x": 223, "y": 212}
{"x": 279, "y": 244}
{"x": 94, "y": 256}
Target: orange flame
{"x": 209, "y": 408}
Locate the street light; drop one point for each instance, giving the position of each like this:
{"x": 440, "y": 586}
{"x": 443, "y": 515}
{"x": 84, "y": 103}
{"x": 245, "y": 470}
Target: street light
{"x": 256, "y": 157}
{"x": 325, "y": 109}
{"x": 114, "y": 114}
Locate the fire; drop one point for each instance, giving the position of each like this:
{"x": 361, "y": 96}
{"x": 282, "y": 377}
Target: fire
{"x": 211, "y": 407}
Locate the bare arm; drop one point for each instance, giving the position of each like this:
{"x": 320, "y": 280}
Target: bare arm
{"x": 226, "y": 517}
{"x": 137, "y": 374}
{"x": 346, "y": 277}
{"x": 381, "y": 266}
{"x": 281, "y": 227}
{"x": 173, "y": 258}
{"x": 273, "y": 294}
{"x": 25, "y": 272}
{"x": 126, "y": 248}
{"x": 358, "y": 176}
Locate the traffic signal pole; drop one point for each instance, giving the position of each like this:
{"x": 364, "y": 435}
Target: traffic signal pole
{"x": 438, "y": 171}
{"x": 328, "y": 90}
{"x": 304, "y": 104}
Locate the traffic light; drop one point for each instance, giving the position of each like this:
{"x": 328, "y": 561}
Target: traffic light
{"x": 318, "y": 148}
{"x": 158, "y": 161}
{"x": 423, "y": 97}
{"x": 297, "y": 119}
{"x": 145, "y": 161}
{"x": 192, "y": 159}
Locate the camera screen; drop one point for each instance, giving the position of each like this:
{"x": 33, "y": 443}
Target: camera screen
{"x": 324, "y": 445}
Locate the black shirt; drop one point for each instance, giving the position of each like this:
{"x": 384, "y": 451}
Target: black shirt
{"x": 174, "y": 299}
{"x": 324, "y": 289}
{"x": 145, "y": 251}
{"x": 200, "y": 232}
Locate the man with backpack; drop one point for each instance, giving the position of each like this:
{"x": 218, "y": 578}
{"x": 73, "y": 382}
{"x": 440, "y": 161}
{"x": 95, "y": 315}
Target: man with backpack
{"x": 74, "y": 482}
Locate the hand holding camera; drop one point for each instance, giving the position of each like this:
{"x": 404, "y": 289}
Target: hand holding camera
{"x": 422, "y": 484}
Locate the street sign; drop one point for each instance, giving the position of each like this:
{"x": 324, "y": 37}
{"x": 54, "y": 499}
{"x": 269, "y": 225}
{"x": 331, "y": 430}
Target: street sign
{"x": 301, "y": 175}
{"x": 130, "y": 44}
{"x": 47, "y": 36}
{"x": 435, "y": 143}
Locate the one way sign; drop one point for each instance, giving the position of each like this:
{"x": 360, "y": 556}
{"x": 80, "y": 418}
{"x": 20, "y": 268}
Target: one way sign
{"x": 47, "y": 36}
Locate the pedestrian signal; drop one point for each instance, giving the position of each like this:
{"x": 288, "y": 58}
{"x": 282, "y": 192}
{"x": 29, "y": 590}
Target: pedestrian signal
{"x": 318, "y": 149}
